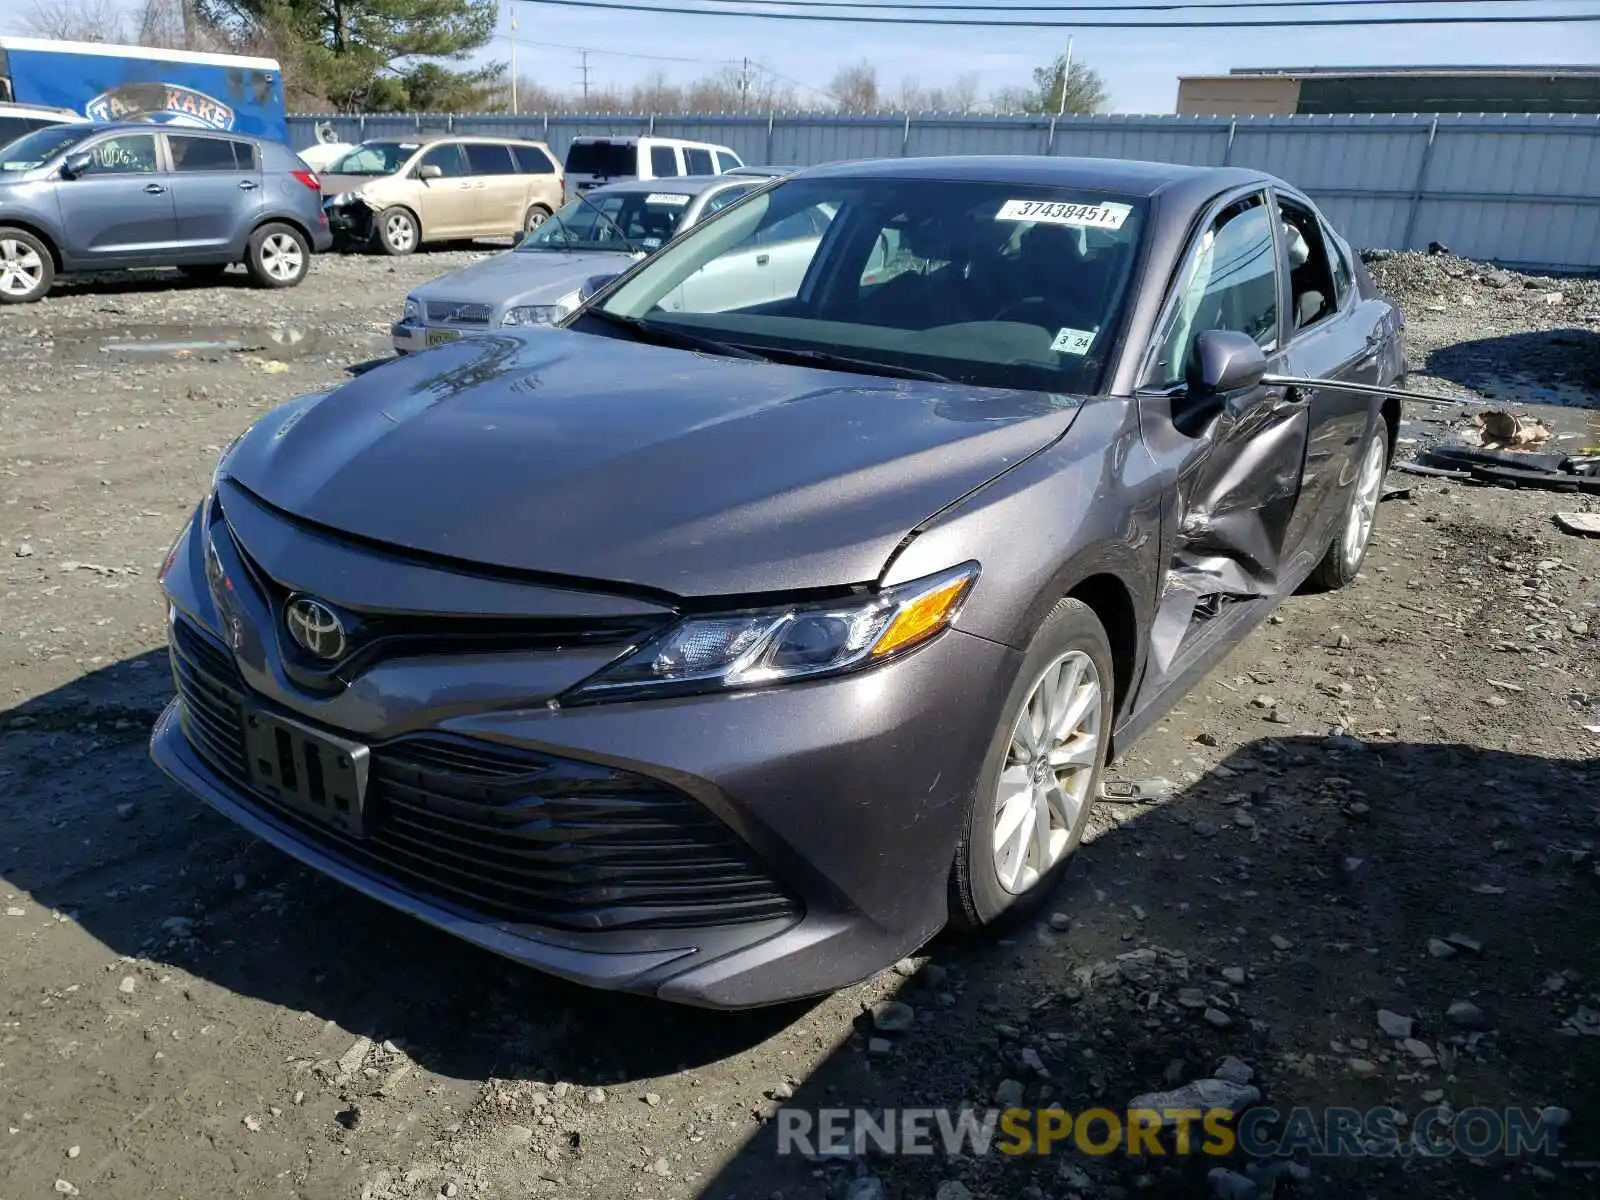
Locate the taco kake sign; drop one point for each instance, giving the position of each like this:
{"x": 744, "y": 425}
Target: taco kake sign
{"x": 168, "y": 103}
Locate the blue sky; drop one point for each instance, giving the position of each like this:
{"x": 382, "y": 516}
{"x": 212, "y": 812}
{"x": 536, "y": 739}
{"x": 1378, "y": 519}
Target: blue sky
{"x": 1141, "y": 68}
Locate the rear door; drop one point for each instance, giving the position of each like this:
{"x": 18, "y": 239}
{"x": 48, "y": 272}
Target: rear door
{"x": 697, "y": 161}
{"x": 664, "y": 162}
{"x": 541, "y": 177}
{"x": 120, "y": 209}
{"x": 216, "y": 191}
{"x": 446, "y": 202}
{"x": 498, "y": 188}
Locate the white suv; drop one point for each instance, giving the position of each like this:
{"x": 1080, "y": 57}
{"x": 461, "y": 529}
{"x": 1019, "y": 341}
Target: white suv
{"x": 594, "y": 161}
{"x": 18, "y": 119}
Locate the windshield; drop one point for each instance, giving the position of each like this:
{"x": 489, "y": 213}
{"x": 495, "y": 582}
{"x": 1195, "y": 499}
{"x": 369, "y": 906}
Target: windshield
{"x": 602, "y": 158}
{"x": 995, "y": 284}
{"x": 39, "y": 147}
{"x": 375, "y": 158}
{"x": 602, "y": 222}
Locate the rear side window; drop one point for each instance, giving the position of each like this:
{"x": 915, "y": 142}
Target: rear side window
{"x": 244, "y": 153}
{"x": 201, "y": 153}
{"x": 533, "y": 161}
{"x": 485, "y": 158}
{"x": 726, "y": 162}
{"x": 698, "y": 162}
{"x": 447, "y": 158}
{"x": 663, "y": 162}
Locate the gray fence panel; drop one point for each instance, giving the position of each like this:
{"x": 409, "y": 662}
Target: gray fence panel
{"x": 1516, "y": 189}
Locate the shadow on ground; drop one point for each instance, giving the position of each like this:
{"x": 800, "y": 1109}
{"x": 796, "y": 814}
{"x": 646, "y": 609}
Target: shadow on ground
{"x": 1555, "y": 366}
{"x": 1321, "y": 867}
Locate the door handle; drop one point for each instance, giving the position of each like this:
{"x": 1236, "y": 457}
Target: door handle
{"x": 154, "y": 189}
{"x": 247, "y": 185}
{"x": 763, "y": 259}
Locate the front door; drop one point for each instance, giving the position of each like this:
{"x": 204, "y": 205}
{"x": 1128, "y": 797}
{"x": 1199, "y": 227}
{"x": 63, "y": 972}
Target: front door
{"x": 120, "y": 208}
{"x": 1236, "y": 458}
{"x": 216, "y": 191}
{"x": 447, "y": 202}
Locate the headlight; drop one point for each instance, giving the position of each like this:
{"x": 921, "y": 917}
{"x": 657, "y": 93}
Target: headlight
{"x": 535, "y": 314}
{"x": 340, "y": 200}
{"x": 411, "y": 314}
{"x": 775, "y": 645}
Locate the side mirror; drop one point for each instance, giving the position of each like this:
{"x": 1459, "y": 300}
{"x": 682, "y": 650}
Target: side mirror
{"x": 1224, "y": 360}
{"x": 430, "y": 171}
{"x": 594, "y": 283}
{"x": 76, "y": 164}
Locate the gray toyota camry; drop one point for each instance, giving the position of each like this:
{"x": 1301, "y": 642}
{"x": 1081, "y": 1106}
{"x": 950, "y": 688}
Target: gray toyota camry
{"x": 727, "y": 642}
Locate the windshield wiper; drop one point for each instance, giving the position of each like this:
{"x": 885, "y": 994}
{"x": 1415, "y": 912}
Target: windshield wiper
{"x": 867, "y": 366}
{"x": 601, "y": 213}
{"x": 650, "y": 331}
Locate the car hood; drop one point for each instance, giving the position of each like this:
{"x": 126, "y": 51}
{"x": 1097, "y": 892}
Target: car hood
{"x": 606, "y": 460}
{"x": 523, "y": 277}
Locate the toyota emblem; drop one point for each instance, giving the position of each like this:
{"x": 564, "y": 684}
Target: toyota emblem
{"x": 316, "y": 627}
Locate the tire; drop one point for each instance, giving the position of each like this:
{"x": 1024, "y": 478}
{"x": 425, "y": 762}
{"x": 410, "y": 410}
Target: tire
{"x": 985, "y": 887}
{"x": 396, "y": 232}
{"x": 536, "y": 216}
{"x": 1353, "y": 536}
{"x": 27, "y": 268}
{"x": 205, "y": 271}
{"x": 279, "y": 256}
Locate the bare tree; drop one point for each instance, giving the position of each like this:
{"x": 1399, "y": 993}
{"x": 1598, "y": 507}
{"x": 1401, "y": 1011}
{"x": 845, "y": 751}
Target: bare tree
{"x": 77, "y": 20}
{"x": 855, "y": 88}
{"x": 167, "y": 24}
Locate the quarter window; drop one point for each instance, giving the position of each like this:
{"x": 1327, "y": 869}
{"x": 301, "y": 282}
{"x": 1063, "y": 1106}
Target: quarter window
{"x": 488, "y": 158}
{"x": 127, "y": 154}
{"x": 1230, "y": 282}
{"x": 533, "y": 161}
{"x": 725, "y": 162}
{"x": 698, "y": 162}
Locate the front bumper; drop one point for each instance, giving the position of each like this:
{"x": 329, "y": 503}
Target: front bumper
{"x": 849, "y": 792}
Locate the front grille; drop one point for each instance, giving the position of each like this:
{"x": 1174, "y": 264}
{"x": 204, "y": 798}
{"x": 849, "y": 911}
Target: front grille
{"x": 512, "y": 834}
{"x": 449, "y": 312}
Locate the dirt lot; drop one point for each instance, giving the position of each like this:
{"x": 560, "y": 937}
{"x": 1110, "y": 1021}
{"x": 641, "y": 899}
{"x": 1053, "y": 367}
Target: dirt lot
{"x": 1385, "y": 800}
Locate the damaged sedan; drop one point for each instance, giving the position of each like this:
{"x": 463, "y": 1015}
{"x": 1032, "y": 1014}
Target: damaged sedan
{"x": 726, "y": 652}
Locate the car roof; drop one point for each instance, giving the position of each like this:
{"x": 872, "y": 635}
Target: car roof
{"x": 683, "y": 185}
{"x": 1127, "y": 176}
{"x": 150, "y": 127}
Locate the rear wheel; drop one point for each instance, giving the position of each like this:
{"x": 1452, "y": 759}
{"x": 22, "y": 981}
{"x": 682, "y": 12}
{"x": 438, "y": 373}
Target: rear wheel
{"x": 279, "y": 256}
{"x": 26, "y": 267}
{"x": 1354, "y": 533}
{"x": 537, "y": 216}
{"x": 396, "y": 232}
{"x": 1041, "y": 775}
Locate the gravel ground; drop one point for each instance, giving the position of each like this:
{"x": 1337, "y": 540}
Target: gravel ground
{"x": 1370, "y": 877}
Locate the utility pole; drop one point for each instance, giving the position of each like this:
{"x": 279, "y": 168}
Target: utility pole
{"x": 744, "y": 86}
{"x": 1066, "y": 78}
{"x": 512, "y": 13}
{"x": 583, "y": 69}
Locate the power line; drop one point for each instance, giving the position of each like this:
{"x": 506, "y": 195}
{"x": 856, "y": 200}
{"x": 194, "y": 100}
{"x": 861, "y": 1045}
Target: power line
{"x": 1271, "y": 23}
{"x": 720, "y": 62}
{"x": 1165, "y": 6}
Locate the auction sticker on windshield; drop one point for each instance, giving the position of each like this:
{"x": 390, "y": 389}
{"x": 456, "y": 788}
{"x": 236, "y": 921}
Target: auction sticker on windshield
{"x": 1073, "y": 341}
{"x": 673, "y": 198}
{"x": 1051, "y": 212}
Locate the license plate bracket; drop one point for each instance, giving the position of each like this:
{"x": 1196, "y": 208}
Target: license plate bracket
{"x": 438, "y": 337}
{"x": 307, "y": 771}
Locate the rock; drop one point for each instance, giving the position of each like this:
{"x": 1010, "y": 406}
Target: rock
{"x": 449, "y": 1190}
{"x": 1201, "y": 1094}
{"x": 1362, "y": 1068}
{"x": 516, "y": 1137}
{"x": 253, "y": 1124}
{"x": 1418, "y": 1050}
{"x": 868, "y": 1187}
{"x": 952, "y": 1189}
{"x": 1263, "y": 702}
{"x": 1060, "y": 922}
{"x": 1218, "y": 1019}
{"x": 784, "y": 1091}
{"x": 1008, "y": 1094}
{"x": 1393, "y": 1024}
{"x": 1555, "y": 1117}
{"x": 25, "y": 550}
{"x": 127, "y": 985}
{"x": 891, "y": 1016}
{"x": 1466, "y": 1014}
{"x": 1234, "y": 1070}
{"x": 1031, "y": 1060}
{"x": 879, "y": 1047}
{"x": 1234, "y": 975}
{"x": 1279, "y": 942}
{"x": 74, "y": 1151}
{"x": 1462, "y": 942}
{"x": 1230, "y": 1185}
{"x": 1277, "y": 717}
{"x": 1439, "y": 948}
{"x": 1208, "y": 738}
{"x": 63, "y": 1188}
{"x": 595, "y": 1095}
{"x": 350, "y": 1061}
{"x": 178, "y": 926}
{"x": 1192, "y": 997}
{"x": 906, "y": 967}
{"x": 652, "y": 1099}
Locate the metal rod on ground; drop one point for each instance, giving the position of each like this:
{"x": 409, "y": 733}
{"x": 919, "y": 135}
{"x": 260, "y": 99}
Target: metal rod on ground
{"x": 1365, "y": 389}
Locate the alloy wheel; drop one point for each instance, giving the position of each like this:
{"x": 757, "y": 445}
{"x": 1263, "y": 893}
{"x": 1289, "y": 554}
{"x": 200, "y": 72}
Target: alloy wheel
{"x": 536, "y": 218}
{"x": 1050, "y": 765}
{"x": 1364, "y": 503}
{"x": 21, "y": 268}
{"x": 399, "y": 231}
{"x": 281, "y": 257}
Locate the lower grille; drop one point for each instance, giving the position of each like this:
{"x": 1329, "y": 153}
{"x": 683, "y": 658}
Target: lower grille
{"x": 514, "y": 835}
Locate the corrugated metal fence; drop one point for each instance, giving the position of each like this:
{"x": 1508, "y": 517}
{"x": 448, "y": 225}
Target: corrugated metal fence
{"x": 1520, "y": 190}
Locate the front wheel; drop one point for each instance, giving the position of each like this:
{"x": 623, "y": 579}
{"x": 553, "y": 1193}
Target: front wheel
{"x": 395, "y": 232}
{"x": 26, "y": 268}
{"x": 279, "y": 256}
{"x": 1354, "y": 534}
{"x": 1042, "y": 772}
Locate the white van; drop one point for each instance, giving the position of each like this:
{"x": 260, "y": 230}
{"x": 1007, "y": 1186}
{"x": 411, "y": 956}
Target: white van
{"x": 593, "y": 161}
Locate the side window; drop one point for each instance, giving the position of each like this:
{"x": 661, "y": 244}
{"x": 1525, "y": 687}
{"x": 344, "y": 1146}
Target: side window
{"x": 487, "y": 158}
{"x": 663, "y": 162}
{"x": 726, "y": 162}
{"x": 1343, "y": 280}
{"x": 126, "y": 154}
{"x": 724, "y": 198}
{"x": 11, "y": 128}
{"x": 1229, "y": 282}
{"x": 201, "y": 153}
{"x": 244, "y": 155}
{"x": 1312, "y": 294}
{"x": 447, "y": 158}
{"x": 533, "y": 161}
{"x": 698, "y": 162}
{"x": 807, "y": 223}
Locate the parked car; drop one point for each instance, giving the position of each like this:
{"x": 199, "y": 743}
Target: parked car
{"x": 592, "y": 162}
{"x": 90, "y": 197}
{"x": 395, "y": 194}
{"x": 726, "y": 656}
{"x": 540, "y": 281}
{"x": 18, "y": 119}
